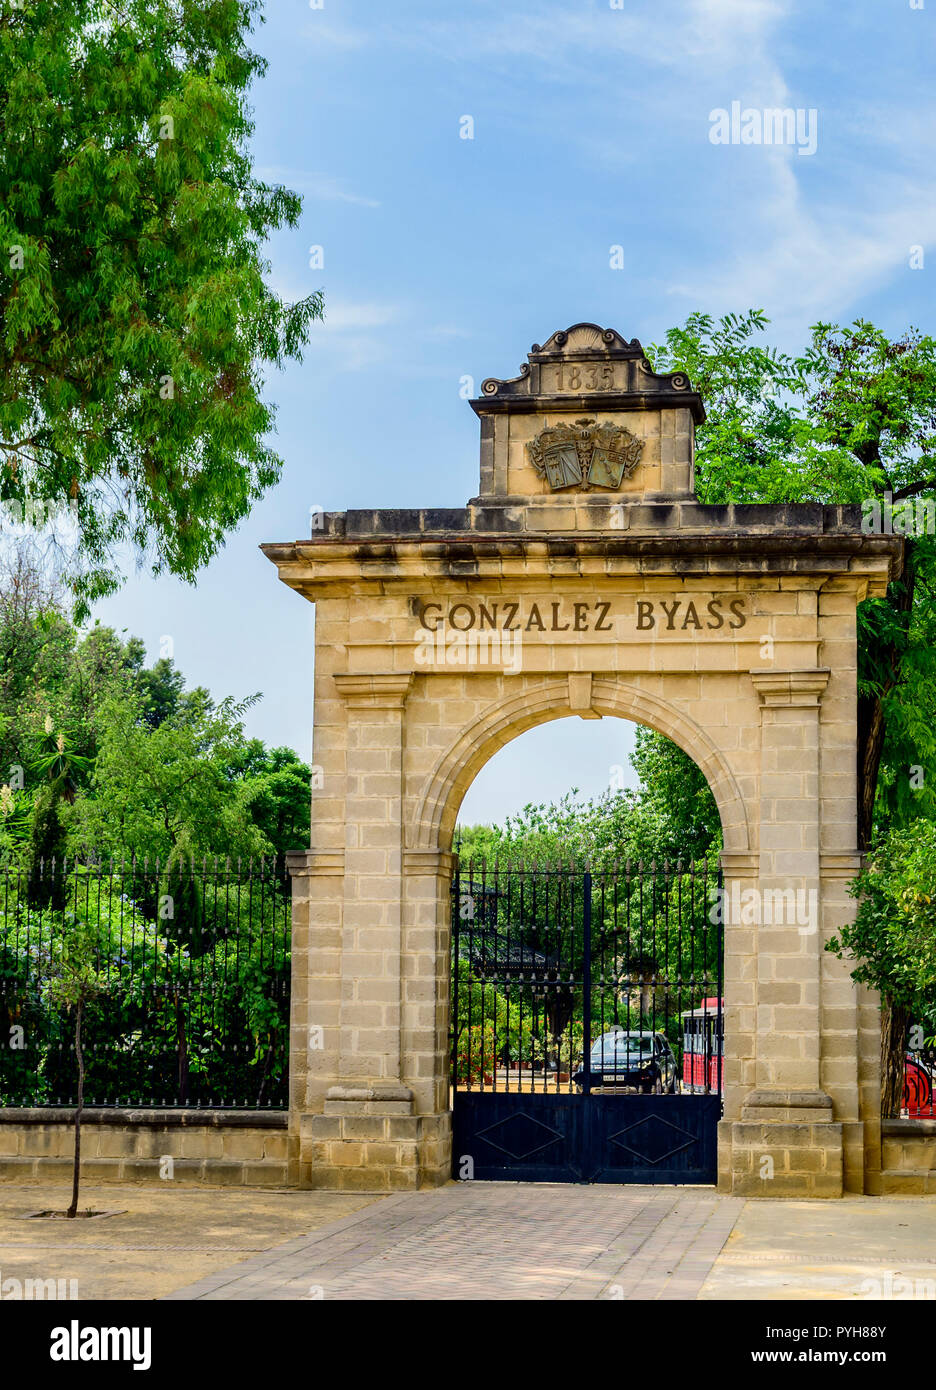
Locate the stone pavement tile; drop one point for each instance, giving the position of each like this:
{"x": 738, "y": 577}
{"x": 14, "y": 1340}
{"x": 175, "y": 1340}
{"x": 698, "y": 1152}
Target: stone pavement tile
{"x": 497, "y": 1241}
{"x": 300, "y": 1247}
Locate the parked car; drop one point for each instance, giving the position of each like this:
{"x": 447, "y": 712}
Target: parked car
{"x": 641, "y": 1061}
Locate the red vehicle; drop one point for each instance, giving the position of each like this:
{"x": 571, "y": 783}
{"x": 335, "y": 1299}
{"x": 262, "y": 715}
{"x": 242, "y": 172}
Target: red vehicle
{"x": 918, "y": 1090}
{"x": 703, "y": 1045}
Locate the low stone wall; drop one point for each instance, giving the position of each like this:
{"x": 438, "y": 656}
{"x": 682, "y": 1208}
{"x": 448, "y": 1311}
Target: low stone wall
{"x": 785, "y": 1144}
{"x": 216, "y": 1147}
{"x": 909, "y": 1157}
{"x": 368, "y": 1140}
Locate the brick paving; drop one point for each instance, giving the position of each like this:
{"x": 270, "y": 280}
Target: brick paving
{"x": 496, "y": 1241}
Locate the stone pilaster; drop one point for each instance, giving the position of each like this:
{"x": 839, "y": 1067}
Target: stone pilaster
{"x": 367, "y": 1134}
{"x": 787, "y": 1139}
{"x": 369, "y": 1028}
{"x": 739, "y": 876}
{"x": 315, "y": 990}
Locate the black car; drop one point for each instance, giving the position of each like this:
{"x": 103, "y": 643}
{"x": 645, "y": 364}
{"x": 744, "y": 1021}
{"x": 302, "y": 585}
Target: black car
{"x": 639, "y": 1061}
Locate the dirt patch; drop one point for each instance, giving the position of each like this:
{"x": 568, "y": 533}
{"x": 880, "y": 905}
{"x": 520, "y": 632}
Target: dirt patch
{"x": 166, "y": 1237}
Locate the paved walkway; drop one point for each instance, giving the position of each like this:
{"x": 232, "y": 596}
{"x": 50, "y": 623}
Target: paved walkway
{"x": 497, "y": 1241}
{"x": 469, "y": 1241}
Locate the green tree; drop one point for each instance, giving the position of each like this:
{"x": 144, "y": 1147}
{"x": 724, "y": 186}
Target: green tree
{"x": 850, "y": 420}
{"x": 62, "y": 771}
{"x": 161, "y": 688}
{"x": 893, "y": 938}
{"x": 83, "y": 690}
{"x": 75, "y": 979}
{"x": 276, "y": 787}
{"x": 675, "y": 802}
{"x": 167, "y": 792}
{"x": 135, "y": 321}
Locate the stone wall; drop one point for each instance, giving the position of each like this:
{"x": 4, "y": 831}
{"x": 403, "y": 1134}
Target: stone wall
{"x": 909, "y": 1157}
{"x": 217, "y": 1148}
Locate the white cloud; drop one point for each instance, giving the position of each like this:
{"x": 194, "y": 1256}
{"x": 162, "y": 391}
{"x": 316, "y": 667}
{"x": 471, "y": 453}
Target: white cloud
{"x": 322, "y": 186}
{"x": 798, "y": 245}
{"x": 350, "y": 338}
{"x": 566, "y": 39}
{"x": 803, "y": 263}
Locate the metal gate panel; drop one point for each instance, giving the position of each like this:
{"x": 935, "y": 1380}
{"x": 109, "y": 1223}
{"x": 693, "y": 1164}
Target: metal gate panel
{"x": 550, "y": 969}
{"x": 579, "y": 1138}
{"x": 520, "y": 1138}
{"x": 666, "y": 1139}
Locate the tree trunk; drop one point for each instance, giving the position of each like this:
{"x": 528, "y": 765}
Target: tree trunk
{"x": 266, "y": 1075}
{"x": 646, "y": 997}
{"x": 871, "y": 723}
{"x": 73, "y": 1209}
{"x": 895, "y": 1020}
{"x": 895, "y": 1031}
{"x": 871, "y": 729}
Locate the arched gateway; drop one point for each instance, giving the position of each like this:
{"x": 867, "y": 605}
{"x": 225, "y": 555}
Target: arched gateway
{"x": 584, "y": 579}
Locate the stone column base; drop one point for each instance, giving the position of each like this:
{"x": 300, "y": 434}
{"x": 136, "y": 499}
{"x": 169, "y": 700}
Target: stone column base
{"x": 786, "y": 1144}
{"x": 369, "y": 1140}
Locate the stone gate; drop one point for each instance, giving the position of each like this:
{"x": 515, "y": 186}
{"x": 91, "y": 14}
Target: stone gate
{"x": 586, "y": 580}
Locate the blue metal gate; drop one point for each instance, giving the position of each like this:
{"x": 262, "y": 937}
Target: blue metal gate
{"x": 586, "y": 1023}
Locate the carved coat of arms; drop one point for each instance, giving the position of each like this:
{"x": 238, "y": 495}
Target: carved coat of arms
{"x": 584, "y": 455}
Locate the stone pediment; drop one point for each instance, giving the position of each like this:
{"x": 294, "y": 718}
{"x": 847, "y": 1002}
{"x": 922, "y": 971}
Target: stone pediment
{"x": 588, "y": 363}
{"x": 587, "y": 414}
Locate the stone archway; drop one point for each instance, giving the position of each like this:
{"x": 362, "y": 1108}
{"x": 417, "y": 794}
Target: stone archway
{"x": 585, "y": 578}
{"x": 580, "y": 1139}
{"x": 437, "y": 805}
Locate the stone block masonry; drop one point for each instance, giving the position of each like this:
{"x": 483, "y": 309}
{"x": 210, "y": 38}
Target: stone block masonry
{"x": 611, "y": 592}
{"x": 222, "y": 1148}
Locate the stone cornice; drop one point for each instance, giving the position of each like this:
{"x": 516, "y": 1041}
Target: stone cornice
{"x": 315, "y": 863}
{"x": 378, "y": 690}
{"x": 339, "y": 565}
{"x": 746, "y": 864}
{"x": 840, "y": 865}
{"x": 790, "y": 687}
{"x": 428, "y": 861}
{"x": 591, "y": 402}
{"x": 740, "y": 863}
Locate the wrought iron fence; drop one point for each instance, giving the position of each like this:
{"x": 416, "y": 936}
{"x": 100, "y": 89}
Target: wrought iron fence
{"x": 191, "y": 966}
{"x": 559, "y": 973}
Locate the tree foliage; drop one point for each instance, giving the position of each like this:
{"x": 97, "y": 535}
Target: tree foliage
{"x": 103, "y": 756}
{"x": 135, "y": 321}
{"x": 852, "y": 419}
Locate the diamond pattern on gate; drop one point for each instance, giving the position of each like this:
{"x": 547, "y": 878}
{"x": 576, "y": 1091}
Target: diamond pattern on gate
{"x": 521, "y": 1136}
{"x": 658, "y": 1139}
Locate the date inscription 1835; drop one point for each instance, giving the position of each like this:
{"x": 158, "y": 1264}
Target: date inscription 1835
{"x": 589, "y": 376}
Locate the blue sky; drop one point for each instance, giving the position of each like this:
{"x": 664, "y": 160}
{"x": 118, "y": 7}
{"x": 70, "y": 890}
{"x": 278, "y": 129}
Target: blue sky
{"x": 446, "y": 257}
